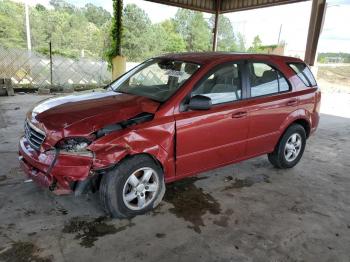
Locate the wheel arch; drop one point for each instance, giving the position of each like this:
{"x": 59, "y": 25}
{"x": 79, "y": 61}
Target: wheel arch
{"x": 304, "y": 123}
{"x": 301, "y": 117}
{"x": 146, "y": 154}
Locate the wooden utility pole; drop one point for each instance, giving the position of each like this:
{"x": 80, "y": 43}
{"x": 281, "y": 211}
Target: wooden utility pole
{"x": 216, "y": 24}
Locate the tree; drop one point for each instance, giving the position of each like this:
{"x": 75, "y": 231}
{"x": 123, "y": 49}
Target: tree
{"x": 256, "y": 45}
{"x": 92, "y": 29}
{"x": 61, "y": 5}
{"x": 173, "y": 41}
{"x": 64, "y": 29}
{"x": 12, "y": 24}
{"x": 226, "y": 36}
{"x": 193, "y": 29}
{"x": 70, "y": 29}
{"x": 136, "y": 31}
{"x": 40, "y": 8}
{"x": 96, "y": 15}
{"x": 241, "y": 42}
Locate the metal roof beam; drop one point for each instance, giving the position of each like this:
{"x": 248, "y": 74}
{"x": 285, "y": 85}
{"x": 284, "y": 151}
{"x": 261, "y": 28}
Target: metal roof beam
{"x": 226, "y": 6}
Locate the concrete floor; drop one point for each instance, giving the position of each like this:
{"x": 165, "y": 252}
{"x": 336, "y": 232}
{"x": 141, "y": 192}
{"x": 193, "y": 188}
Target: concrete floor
{"x": 243, "y": 212}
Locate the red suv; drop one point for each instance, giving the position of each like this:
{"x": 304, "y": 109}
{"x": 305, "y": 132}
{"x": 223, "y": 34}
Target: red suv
{"x": 168, "y": 118}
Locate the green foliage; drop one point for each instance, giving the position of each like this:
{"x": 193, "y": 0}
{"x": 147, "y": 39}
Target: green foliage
{"x": 96, "y": 15}
{"x": 45, "y": 51}
{"x": 193, "y": 28}
{"x": 226, "y": 37}
{"x": 137, "y": 28}
{"x": 63, "y": 6}
{"x": 71, "y": 30}
{"x": 241, "y": 42}
{"x": 40, "y": 8}
{"x": 173, "y": 41}
{"x": 256, "y": 45}
{"x": 325, "y": 57}
{"x": 12, "y": 30}
{"x": 115, "y": 48}
{"x": 269, "y": 47}
{"x": 92, "y": 31}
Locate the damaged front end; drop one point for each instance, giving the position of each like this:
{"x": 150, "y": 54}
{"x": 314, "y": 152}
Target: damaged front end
{"x": 74, "y": 164}
{"x": 56, "y": 169}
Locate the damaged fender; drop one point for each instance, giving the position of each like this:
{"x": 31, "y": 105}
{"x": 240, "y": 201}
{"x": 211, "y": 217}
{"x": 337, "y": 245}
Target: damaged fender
{"x": 156, "y": 140}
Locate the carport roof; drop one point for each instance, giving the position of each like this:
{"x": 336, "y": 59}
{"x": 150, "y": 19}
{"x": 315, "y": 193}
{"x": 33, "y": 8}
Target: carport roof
{"x": 223, "y": 6}
{"x": 217, "y": 7}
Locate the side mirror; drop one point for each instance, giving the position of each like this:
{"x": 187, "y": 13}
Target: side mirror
{"x": 200, "y": 102}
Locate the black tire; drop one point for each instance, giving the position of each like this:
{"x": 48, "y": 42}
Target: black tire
{"x": 113, "y": 184}
{"x": 278, "y": 158}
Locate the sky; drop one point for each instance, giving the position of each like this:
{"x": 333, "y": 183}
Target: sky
{"x": 293, "y": 20}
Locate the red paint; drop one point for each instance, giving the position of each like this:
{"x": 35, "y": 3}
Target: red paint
{"x": 184, "y": 143}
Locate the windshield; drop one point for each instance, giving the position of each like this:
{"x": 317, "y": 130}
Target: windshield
{"x": 157, "y": 79}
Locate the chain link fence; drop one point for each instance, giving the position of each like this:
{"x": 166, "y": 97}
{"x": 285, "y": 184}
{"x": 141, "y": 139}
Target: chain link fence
{"x": 31, "y": 69}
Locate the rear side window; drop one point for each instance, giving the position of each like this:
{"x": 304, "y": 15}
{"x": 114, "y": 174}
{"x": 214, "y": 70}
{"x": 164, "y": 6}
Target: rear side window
{"x": 265, "y": 80}
{"x": 304, "y": 73}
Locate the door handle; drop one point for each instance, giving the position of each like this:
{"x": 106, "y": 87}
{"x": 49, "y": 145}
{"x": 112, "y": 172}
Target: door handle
{"x": 292, "y": 102}
{"x": 239, "y": 114}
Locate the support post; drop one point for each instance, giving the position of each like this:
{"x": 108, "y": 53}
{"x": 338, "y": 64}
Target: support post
{"x": 216, "y": 23}
{"x": 318, "y": 10}
{"x": 50, "y": 50}
{"x": 29, "y": 42}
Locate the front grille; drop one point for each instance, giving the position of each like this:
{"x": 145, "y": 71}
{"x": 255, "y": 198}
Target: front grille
{"x": 34, "y": 135}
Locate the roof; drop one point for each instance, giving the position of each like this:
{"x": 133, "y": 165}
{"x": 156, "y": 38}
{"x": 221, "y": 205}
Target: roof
{"x": 223, "y": 6}
{"x": 207, "y": 57}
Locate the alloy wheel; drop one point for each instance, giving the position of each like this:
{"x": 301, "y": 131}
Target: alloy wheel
{"x": 140, "y": 188}
{"x": 293, "y": 147}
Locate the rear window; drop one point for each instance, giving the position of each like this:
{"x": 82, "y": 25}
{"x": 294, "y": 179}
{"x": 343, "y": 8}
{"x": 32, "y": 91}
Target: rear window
{"x": 265, "y": 80}
{"x": 304, "y": 73}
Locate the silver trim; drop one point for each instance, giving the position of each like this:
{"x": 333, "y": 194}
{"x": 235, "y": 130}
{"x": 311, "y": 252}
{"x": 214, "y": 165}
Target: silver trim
{"x": 35, "y": 128}
{"x": 34, "y": 135}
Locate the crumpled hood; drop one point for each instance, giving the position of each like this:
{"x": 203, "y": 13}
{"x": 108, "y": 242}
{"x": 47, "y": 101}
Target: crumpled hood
{"x": 83, "y": 114}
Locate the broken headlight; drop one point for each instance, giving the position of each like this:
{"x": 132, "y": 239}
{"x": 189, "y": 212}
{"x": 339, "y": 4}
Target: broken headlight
{"x": 76, "y": 146}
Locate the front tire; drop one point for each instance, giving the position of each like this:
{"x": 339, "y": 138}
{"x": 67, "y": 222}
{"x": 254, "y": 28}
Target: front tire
{"x": 290, "y": 148}
{"x": 133, "y": 188}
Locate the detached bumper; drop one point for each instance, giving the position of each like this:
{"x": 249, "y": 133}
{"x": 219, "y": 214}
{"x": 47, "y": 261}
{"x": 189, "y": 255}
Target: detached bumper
{"x": 47, "y": 169}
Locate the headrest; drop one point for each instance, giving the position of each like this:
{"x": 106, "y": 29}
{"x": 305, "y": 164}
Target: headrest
{"x": 191, "y": 68}
{"x": 269, "y": 75}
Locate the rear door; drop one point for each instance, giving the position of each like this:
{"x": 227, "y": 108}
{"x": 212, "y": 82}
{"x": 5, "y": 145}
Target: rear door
{"x": 270, "y": 103}
{"x": 206, "y": 139}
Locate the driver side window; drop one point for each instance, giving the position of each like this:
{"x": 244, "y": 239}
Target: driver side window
{"x": 222, "y": 86}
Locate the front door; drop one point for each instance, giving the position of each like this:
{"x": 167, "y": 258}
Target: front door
{"x": 206, "y": 139}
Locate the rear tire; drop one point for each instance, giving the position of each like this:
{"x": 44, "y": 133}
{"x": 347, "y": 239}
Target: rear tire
{"x": 134, "y": 187}
{"x": 290, "y": 148}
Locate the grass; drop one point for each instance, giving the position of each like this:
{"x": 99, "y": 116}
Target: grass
{"x": 334, "y": 78}
{"x": 335, "y": 74}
